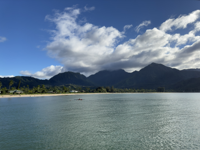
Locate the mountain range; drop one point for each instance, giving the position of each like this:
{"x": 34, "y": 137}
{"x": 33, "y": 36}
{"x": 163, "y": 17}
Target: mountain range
{"x": 149, "y": 77}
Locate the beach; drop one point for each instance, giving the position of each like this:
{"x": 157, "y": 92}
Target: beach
{"x": 41, "y": 95}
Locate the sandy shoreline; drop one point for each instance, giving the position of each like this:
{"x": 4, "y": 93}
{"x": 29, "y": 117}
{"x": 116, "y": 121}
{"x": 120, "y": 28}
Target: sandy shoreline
{"x": 41, "y": 95}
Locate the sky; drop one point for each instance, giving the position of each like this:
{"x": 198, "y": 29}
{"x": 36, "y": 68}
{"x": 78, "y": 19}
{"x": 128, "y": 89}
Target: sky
{"x": 42, "y": 38}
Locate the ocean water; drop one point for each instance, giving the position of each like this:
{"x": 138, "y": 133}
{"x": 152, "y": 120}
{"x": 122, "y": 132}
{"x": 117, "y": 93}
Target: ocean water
{"x": 101, "y": 122}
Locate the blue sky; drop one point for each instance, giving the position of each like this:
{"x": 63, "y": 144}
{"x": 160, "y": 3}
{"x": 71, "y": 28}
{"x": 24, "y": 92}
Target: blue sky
{"x": 44, "y": 37}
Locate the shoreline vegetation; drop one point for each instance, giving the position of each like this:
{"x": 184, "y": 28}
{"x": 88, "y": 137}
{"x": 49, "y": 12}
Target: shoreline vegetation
{"x": 42, "y": 90}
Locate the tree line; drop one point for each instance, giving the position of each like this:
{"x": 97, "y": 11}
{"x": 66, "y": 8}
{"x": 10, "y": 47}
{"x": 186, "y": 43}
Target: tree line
{"x": 67, "y": 89}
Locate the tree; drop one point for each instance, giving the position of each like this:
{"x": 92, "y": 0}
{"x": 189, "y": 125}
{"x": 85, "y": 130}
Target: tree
{"x": 43, "y": 89}
{"x": 101, "y": 89}
{"x": 43, "y": 86}
{"x": 112, "y": 89}
{"x": 79, "y": 89}
{"x": 55, "y": 89}
{"x": 34, "y": 90}
{"x": 4, "y": 90}
{"x": 65, "y": 89}
{"x": 160, "y": 89}
{"x": 0, "y": 85}
{"x": 13, "y": 88}
{"x": 10, "y": 83}
{"x": 38, "y": 88}
{"x": 27, "y": 89}
{"x": 19, "y": 84}
{"x": 87, "y": 89}
{"x": 108, "y": 89}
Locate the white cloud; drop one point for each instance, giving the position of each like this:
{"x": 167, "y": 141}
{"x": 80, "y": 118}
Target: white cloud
{"x": 87, "y": 48}
{"x": 180, "y": 22}
{"x": 190, "y": 37}
{"x": 143, "y": 24}
{"x": 197, "y": 27}
{"x": 81, "y": 47}
{"x": 127, "y": 27}
{"x": 45, "y": 73}
{"x": 6, "y": 76}
{"x": 89, "y": 8}
{"x": 2, "y": 39}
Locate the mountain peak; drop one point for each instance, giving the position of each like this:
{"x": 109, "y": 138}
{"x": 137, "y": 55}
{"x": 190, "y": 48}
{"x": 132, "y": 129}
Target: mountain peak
{"x": 69, "y": 78}
{"x": 156, "y": 68}
{"x": 155, "y": 64}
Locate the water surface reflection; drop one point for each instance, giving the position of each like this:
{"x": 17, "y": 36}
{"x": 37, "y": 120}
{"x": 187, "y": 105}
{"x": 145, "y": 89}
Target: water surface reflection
{"x": 110, "y": 121}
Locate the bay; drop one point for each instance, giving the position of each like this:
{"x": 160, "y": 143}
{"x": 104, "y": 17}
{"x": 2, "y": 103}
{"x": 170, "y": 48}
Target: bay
{"x": 101, "y": 121}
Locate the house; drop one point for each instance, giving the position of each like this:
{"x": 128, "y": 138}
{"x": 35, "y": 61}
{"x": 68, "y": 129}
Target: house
{"x": 16, "y": 92}
{"x": 73, "y": 91}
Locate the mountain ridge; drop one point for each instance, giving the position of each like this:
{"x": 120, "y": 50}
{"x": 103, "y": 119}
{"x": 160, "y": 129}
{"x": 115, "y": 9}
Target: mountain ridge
{"x": 151, "y": 76}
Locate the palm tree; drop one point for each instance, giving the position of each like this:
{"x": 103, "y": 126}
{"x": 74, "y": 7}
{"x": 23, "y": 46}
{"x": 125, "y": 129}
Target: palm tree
{"x": 18, "y": 84}
{"x": 112, "y": 89}
{"x": 27, "y": 88}
{"x": 0, "y": 85}
{"x": 43, "y": 86}
{"x": 10, "y": 84}
{"x": 38, "y": 88}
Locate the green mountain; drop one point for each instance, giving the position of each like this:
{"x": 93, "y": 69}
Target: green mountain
{"x": 57, "y": 80}
{"x": 109, "y": 78}
{"x": 70, "y": 78}
{"x": 189, "y": 85}
{"x": 156, "y": 75}
{"x": 24, "y": 81}
{"x": 149, "y": 77}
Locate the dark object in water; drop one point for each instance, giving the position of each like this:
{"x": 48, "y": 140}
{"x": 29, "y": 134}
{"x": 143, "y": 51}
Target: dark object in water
{"x": 80, "y": 99}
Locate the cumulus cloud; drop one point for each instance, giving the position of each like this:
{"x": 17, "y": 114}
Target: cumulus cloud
{"x": 2, "y": 39}
{"x": 78, "y": 47}
{"x": 180, "y": 22}
{"x": 143, "y": 24}
{"x": 87, "y": 48}
{"x": 45, "y": 73}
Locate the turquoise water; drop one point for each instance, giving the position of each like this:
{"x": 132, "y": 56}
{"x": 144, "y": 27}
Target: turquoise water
{"x": 104, "y": 121}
